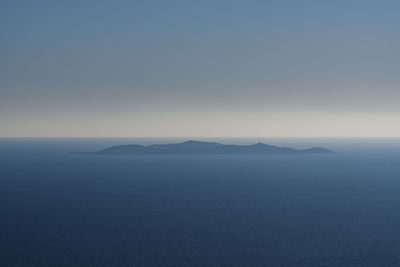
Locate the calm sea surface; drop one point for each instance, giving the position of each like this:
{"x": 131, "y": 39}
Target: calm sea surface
{"x": 59, "y": 209}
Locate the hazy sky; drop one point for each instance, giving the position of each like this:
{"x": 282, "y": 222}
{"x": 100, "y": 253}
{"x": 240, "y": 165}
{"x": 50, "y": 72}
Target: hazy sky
{"x": 200, "y": 68}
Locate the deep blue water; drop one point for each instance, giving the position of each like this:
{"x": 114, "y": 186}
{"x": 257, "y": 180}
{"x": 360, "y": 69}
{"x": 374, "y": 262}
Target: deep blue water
{"x": 59, "y": 209}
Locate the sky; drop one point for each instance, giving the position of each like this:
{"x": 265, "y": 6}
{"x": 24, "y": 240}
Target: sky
{"x": 200, "y": 68}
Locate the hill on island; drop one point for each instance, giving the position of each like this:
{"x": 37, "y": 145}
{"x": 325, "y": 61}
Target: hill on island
{"x": 205, "y": 148}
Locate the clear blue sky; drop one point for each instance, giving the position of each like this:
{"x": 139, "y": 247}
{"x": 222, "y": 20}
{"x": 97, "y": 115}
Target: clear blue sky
{"x": 199, "y": 68}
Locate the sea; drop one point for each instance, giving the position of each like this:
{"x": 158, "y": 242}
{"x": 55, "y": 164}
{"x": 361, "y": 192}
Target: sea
{"x": 63, "y": 209}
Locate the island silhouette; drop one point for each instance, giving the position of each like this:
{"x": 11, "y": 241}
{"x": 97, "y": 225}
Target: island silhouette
{"x": 192, "y": 147}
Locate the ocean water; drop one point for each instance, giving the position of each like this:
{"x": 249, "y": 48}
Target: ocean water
{"x": 59, "y": 209}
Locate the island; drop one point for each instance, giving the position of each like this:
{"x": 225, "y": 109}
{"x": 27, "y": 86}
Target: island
{"x": 205, "y": 148}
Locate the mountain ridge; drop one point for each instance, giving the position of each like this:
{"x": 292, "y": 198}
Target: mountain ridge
{"x": 193, "y": 147}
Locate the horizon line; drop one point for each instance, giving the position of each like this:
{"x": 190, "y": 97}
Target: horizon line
{"x": 183, "y": 137}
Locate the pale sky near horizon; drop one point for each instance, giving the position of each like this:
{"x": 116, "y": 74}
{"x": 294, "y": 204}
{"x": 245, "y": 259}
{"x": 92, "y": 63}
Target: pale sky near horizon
{"x": 199, "y": 68}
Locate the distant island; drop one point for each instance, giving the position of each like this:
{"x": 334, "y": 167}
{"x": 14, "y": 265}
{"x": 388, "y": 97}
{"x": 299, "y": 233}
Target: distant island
{"x": 205, "y": 148}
